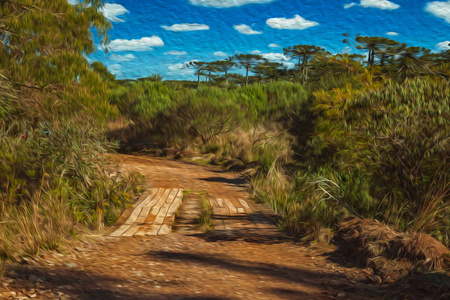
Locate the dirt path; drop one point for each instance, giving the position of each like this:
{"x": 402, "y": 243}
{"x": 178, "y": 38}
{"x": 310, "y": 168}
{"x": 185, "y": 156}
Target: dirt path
{"x": 246, "y": 257}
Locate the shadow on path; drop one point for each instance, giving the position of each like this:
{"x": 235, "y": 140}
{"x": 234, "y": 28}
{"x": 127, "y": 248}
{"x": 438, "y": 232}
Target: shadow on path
{"x": 306, "y": 279}
{"x": 79, "y": 284}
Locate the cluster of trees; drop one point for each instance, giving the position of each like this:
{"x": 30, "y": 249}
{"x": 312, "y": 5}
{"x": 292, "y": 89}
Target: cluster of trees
{"x": 398, "y": 60}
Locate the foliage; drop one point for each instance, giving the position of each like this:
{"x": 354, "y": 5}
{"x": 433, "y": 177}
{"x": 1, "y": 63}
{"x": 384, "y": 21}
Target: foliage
{"x": 53, "y": 105}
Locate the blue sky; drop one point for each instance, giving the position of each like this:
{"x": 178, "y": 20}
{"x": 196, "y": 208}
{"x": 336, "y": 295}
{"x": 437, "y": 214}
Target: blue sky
{"x": 159, "y": 36}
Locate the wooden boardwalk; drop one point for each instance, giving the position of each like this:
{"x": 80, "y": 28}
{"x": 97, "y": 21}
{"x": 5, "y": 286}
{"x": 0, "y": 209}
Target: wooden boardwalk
{"x": 153, "y": 214}
{"x": 236, "y": 217}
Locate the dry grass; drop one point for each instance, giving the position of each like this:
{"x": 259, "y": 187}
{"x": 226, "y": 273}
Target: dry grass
{"x": 205, "y": 218}
{"x": 390, "y": 254}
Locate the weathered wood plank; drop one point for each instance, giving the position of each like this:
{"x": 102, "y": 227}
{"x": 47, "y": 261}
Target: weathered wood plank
{"x": 158, "y": 220}
{"x": 247, "y": 207}
{"x": 149, "y": 228}
{"x": 170, "y": 216}
{"x": 165, "y": 207}
{"x": 142, "y": 216}
{"x": 220, "y": 202}
{"x": 221, "y": 211}
{"x": 134, "y": 215}
{"x": 213, "y": 202}
{"x": 157, "y": 207}
{"x": 231, "y": 207}
{"x": 253, "y": 206}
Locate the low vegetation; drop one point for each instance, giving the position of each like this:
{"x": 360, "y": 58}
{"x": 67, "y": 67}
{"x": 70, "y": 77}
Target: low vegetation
{"x": 332, "y": 137}
{"x": 54, "y": 181}
{"x": 204, "y": 219}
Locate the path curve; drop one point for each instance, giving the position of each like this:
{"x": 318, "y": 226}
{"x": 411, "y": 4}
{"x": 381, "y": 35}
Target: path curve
{"x": 188, "y": 266}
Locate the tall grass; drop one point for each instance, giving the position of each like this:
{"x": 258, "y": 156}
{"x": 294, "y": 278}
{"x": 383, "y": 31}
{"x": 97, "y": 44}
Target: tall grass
{"x": 54, "y": 179}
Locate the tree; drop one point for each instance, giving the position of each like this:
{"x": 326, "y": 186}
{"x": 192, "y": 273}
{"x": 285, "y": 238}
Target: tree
{"x": 199, "y": 67}
{"x": 224, "y": 66}
{"x": 248, "y": 61}
{"x": 43, "y": 48}
{"x": 103, "y": 71}
{"x": 303, "y": 53}
{"x": 210, "y": 67}
{"x": 375, "y": 46}
{"x": 268, "y": 70}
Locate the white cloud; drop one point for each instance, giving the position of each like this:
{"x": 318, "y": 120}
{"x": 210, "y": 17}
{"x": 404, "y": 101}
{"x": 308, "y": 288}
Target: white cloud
{"x": 186, "y": 27}
{"x": 227, "y": 3}
{"x": 180, "y": 68}
{"x": 443, "y": 46}
{"x": 112, "y": 11}
{"x": 439, "y": 9}
{"x": 143, "y": 44}
{"x": 288, "y": 64}
{"x": 175, "y": 52}
{"x": 296, "y": 22}
{"x": 278, "y": 57}
{"x": 346, "y": 50}
{"x": 126, "y": 57}
{"x": 245, "y": 29}
{"x": 220, "y": 53}
{"x": 115, "y": 69}
{"x": 272, "y": 56}
{"x": 381, "y": 4}
{"x": 349, "y": 5}
{"x": 392, "y": 33}
{"x": 273, "y": 45}
{"x": 176, "y": 67}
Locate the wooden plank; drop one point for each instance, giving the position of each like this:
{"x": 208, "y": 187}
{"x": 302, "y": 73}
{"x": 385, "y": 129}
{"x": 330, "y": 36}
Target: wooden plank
{"x": 148, "y": 228}
{"x": 157, "y": 207}
{"x": 165, "y": 229}
{"x": 218, "y": 209}
{"x": 142, "y": 216}
{"x": 247, "y": 207}
{"x": 241, "y": 210}
{"x": 157, "y": 223}
{"x": 220, "y": 202}
{"x": 253, "y": 206}
{"x": 170, "y": 217}
{"x": 213, "y": 202}
{"x": 231, "y": 206}
{"x": 165, "y": 207}
{"x": 144, "y": 196}
{"x": 221, "y": 211}
{"x": 134, "y": 215}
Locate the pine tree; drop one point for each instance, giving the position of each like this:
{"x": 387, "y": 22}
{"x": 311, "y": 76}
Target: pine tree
{"x": 199, "y": 67}
{"x": 224, "y": 66}
{"x": 248, "y": 61}
{"x": 303, "y": 53}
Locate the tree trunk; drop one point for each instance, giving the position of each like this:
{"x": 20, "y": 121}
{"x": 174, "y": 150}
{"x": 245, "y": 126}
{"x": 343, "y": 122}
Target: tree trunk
{"x": 198, "y": 81}
{"x": 246, "y": 77}
{"x": 371, "y": 58}
{"x": 304, "y": 70}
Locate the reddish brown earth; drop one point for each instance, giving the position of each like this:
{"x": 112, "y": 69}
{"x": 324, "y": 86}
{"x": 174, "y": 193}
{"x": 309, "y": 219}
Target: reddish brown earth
{"x": 256, "y": 264}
